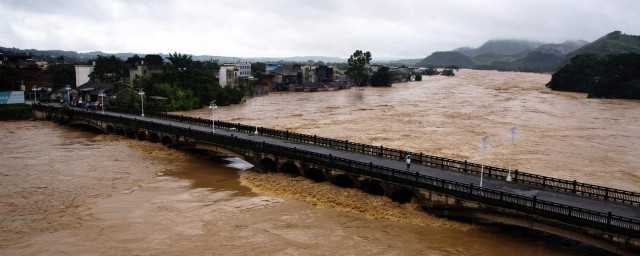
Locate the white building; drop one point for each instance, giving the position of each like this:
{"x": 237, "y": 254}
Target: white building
{"x": 231, "y": 72}
{"x": 227, "y": 75}
{"x": 82, "y": 73}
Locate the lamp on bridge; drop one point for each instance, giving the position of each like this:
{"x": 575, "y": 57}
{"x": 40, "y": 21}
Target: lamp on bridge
{"x": 35, "y": 93}
{"x": 68, "y": 87}
{"x": 141, "y": 92}
{"x": 101, "y": 94}
{"x": 213, "y": 107}
{"x": 255, "y": 100}
{"x": 513, "y": 137}
{"x": 484, "y": 146}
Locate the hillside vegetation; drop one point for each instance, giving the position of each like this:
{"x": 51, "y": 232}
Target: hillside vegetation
{"x": 610, "y": 76}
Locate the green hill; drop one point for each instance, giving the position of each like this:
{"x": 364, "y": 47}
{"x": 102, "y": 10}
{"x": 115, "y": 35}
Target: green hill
{"x": 443, "y": 59}
{"x": 612, "y": 43}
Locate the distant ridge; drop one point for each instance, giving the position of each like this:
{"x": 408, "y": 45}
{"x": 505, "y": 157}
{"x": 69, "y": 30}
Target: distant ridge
{"x": 51, "y": 55}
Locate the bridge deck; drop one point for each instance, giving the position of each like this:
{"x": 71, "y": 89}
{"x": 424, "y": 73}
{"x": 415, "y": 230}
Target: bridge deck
{"x": 623, "y": 210}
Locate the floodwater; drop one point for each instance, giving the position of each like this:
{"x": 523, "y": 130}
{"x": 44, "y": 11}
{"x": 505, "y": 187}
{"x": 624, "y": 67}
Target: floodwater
{"x": 66, "y": 191}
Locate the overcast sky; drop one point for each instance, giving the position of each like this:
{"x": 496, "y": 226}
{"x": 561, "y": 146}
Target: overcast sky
{"x": 285, "y": 28}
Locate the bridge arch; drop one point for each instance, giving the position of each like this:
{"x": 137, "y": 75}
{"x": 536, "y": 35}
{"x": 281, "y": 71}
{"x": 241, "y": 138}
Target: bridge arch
{"x": 167, "y": 140}
{"x": 343, "y": 180}
{"x": 290, "y": 168}
{"x": 130, "y": 133}
{"x": 110, "y": 129}
{"x": 402, "y": 195}
{"x": 119, "y": 130}
{"x": 371, "y": 186}
{"x": 268, "y": 164}
{"x": 154, "y": 138}
{"x": 141, "y": 135}
{"x": 315, "y": 174}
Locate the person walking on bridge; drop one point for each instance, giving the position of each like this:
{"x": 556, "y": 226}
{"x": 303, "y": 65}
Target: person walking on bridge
{"x": 407, "y": 159}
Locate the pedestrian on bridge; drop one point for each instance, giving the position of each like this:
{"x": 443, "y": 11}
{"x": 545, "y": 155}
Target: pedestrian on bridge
{"x": 407, "y": 159}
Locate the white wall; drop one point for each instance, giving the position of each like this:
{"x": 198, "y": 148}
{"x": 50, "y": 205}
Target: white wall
{"x": 82, "y": 74}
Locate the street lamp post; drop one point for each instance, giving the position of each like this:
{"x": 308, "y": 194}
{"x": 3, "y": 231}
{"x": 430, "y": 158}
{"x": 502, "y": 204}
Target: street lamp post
{"x": 101, "y": 94}
{"x": 142, "y": 100}
{"x": 484, "y": 146}
{"x": 213, "y": 107}
{"x": 35, "y": 93}
{"x": 68, "y": 95}
{"x": 513, "y": 137}
{"x": 255, "y": 100}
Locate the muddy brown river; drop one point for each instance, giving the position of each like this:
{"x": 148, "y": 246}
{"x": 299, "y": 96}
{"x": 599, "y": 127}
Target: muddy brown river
{"x": 65, "y": 191}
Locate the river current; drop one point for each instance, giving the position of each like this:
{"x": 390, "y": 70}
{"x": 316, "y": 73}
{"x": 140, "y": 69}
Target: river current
{"x": 65, "y": 191}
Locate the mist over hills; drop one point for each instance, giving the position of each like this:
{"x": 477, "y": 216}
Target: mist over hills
{"x": 521, "y": 55}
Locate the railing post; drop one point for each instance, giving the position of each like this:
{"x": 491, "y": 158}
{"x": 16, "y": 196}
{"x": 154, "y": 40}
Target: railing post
{"x": 417, "y": 176}
{"x": 465, "y": 166}
{"x": 575, "y": 184}
{"x": 346, "y": 145}
{"x": 544, "y": 180}
{"x": 535, "y": 201}
{"x": 381, "y": 149}
{"x": 421, "y": 155}
{"x": 609, "y": 218}
{"x": 606, "y": 194}
{"x": 370, "y": 166}
{"x": 315, "y": 139}
{"x": 470, "y": 188}
{"x": 515, "y": 175}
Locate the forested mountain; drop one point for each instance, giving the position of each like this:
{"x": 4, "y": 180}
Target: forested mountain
{"x": 518, "y": 55}
{"x": 443, "y": 59}
{"x": 612, "y": 43}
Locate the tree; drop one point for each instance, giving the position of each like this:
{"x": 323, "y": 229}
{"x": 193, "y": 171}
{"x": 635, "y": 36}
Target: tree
{"x": 180, "y": 60}
{"x": 133, "y": 60}
{"x": 9, "y": 78}
{"x": 258, "y": 68}
{"x": 62, "y": 74}
{"x": 107, "y": 69}
{"x": 153, "y": 60}
{"x": 382, "y": 77}
{"x": 356, "y": 71}
{"x": 418, "y": 76}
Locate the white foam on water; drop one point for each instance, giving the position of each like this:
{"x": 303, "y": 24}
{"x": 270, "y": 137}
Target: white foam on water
{"x": 238, "y": 163}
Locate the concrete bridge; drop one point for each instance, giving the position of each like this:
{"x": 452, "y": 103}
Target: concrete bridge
{"x": 605, "y": 217}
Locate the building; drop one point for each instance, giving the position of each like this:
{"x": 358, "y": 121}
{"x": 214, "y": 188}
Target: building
{"x": 270, "y": 67}
{"x": 234, "y": 73}
{"x": 141, "y": 70}
{"x": 227, "y": 75}
{"x": 90, "y": 91}
{"x": 83, "y": 72}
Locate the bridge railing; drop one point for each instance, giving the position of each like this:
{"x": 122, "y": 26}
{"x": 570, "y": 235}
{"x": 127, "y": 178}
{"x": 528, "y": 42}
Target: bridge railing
{"x": 527, "y": 205}
{"x": 555, "y": 184}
